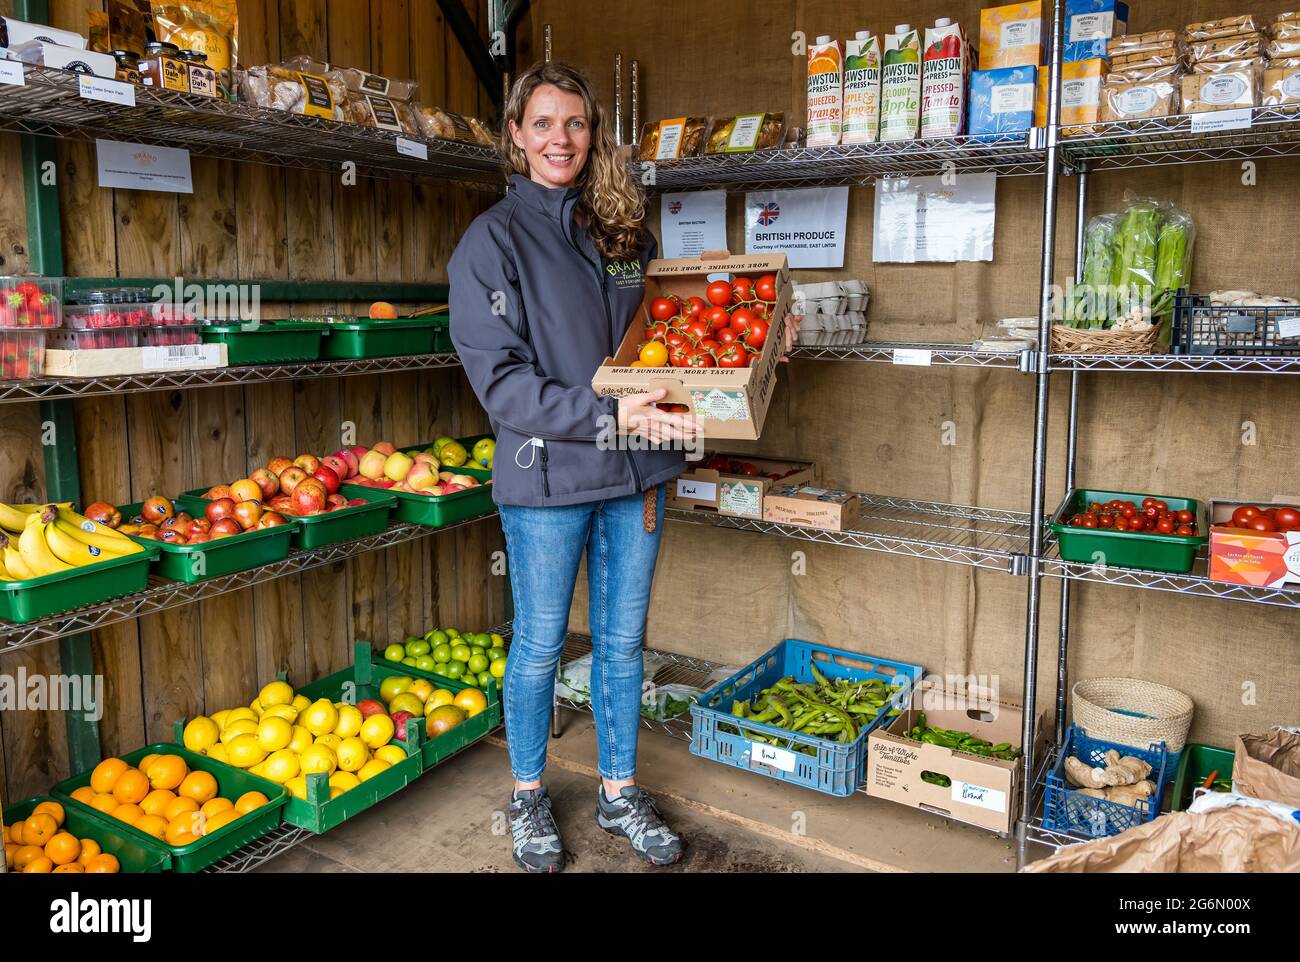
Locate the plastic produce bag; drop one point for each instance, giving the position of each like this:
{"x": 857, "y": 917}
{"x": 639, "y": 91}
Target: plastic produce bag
{"x": 574, "y": 682}
{"x": 1173, "y": 258}
{"x": 664, "y": 702}
{"x": 1087, "y": 306}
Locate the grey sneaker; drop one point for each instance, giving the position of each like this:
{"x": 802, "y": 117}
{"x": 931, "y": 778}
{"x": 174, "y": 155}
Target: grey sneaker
{"x": 635, "y": 816}
{"x": 535, "y": 839}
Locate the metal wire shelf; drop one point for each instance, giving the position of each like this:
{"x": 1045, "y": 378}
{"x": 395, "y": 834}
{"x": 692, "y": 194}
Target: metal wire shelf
{"x": 49, "y": 388}
{"x": 50, "y": 104}
{"x": 915, "y": 353}
{"x": 844, "y": 164}
{"x": 162, "y": 594}
{"x": 1177, "y": 363}
{"x": 979, "y": 537}
{"x": 259, "y": 851}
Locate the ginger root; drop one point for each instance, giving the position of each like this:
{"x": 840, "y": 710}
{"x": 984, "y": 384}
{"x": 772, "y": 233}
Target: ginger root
{"x": 1118, "y": 771}
{"x": 1128, "y": 795}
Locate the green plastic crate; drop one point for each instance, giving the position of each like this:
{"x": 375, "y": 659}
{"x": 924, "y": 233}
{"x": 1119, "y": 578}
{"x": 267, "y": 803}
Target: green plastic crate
{"x": 343, "y": 524}
{"x": 1124, "y": 549}
{"x": 469, "y": 468}
{"x": 1196, "y": 765}
{"x": 442, "y": 343}
{"x": 239, "y": 552}
{"x": 231, "y": 783}
{"x": 112, "y": 838}
{"x": 268, "y": 342}
{"x": 362, "y": 337}
{"x": 493, "y": 711}
{"x": 430, "y": 511}
{"x": 35, "y": 598}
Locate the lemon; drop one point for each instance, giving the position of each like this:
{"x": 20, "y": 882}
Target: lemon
{"x": 237, "y": 713}
{"x": 287, "y": 712}
{"x": 256, "y": 706}
{"x": 343, "y": 781}
{"x": 300, "y": 702}
{"x": 406, "y": 702}
{"x": 377, "y": 731}
{"x": 352, "y": 754}
{"x": 421, "y": 688}
{"x": 329, "y": 739}
{"x": 301, "y": 740}
{"x": 318, "y": 758}
{"x": 390, "y": 754}
{"x": 297, "y": 787}
{"x": 201, "y": 734}
{"x": 240, "y": 726}
{"x": 394, "y": 685}
{"x": 274, "y": 734}
{"x": 220, "y": 717}
{"x": 276, "y": 693}
{"x": 440, "y": 697}
{"x": 350, "y": 719}
{"x": 259, "y": 770}
{"x": 218, "y": 751}
{"x": 281, "y": 766}
{"x": 320, "y": 717}
{"x": 244, "y": 751}
{"x": 372, "y": 768}
{"x": 335, "y": 792}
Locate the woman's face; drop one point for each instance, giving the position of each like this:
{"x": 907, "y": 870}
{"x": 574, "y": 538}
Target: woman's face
{"x": 556, "y": 136}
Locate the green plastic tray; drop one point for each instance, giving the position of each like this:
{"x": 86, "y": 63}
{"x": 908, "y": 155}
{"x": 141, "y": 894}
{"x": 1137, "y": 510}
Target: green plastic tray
{"x": 24, "y": 601}
{"x": 344, "y": 524}
{"x": 442, "y": 334}
{"x": 231, "y": 783}
{"x": 131, "y": 855}
{"x": 1194, "y": 767}
{"x": 493, "y": 713}
{"x": 225, "y": 556}
{"x": 479, "y": 473}
{"x": 362, "y": 337}
{"x": 268, "y": 342}
{"x": 429, "y": 511}
{"x": 1124, "y": 549}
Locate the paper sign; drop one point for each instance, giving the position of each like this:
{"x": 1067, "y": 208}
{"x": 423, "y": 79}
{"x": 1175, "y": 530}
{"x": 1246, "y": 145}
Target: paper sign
{"x": 1212, "y": 120}
{"x": 744, "y": 133}
{"x": 11, "y": 72}
{"x": 109, "y": 91}
{"x": 942, "y": 219}
{"x": 412, "y": 148}
{"x": 807, "y": 226}
{"x": 692, "y": 223}
{"x": 143, "y": 167}
{"x": 979, "y": 796}
{"x": 1288, "y": 327}
{"x": 697, "y": 490}
{"x": 915, "y": 357}
{"x": 771, "y": 756}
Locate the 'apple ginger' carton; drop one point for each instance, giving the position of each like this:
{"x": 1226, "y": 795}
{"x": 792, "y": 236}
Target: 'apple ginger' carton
{"x": 862, "y": 89}
{"x": 900, "y": 85}
{"x": 732, "y": 403}
{"x": 825, "y": 93}
{"x": 945, "y": 68}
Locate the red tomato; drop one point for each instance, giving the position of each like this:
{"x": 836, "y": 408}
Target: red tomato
{"x": 1261, "y": 523}
{"x": 1165, "y": 526}
{"x": 1095, "y": 506}
{"x": 1148, "y": 502}
{"x": 725, "y": 336}
{"x": 1185, "y": 530}
{"x": 1161, "y": 506}
{"x": 1120, "y": 523}
{"x": 1150, "y": 511}
{"x": 1242, "y": 517}
{"x": 765, "y": 288}
{"x": 678, "y": 357}
{"x": 701, "y": 359}
{"x": 1090, "y": 521}
{"x": 661, "y": 309}
{"x": 1108, "y": 520}
{"x": 1288, "y": 519}
{"x": 1184, "y": 516}
{"x": 742, "y": 319}
{"x": 762, "y": 309}
{"x": 1128, "y": 511}
{"x": 675, "y": 338}
{"x": 716, "y": 317}
{"x": 733, "y": 355}
{"x": 694, "y": 307}
{"x": 709, "y": 344}
{"x": 719, "y": 293}
{"x": 742, "y": 289}
{"x": 757, "y": 334}
{"x": 697, "y": 330}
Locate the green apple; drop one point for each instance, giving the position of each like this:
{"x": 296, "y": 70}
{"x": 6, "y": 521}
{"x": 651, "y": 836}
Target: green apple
{"x": 485, "y": 450}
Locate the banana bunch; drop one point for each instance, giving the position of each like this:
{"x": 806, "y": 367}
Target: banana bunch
{"x": 45, "y": 539}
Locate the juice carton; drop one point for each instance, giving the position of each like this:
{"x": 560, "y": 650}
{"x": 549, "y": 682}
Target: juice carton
{"x": 1001, "y": 101}
{"x": 1081, "y": 82}
{"x": 900, "y": 85}
{"x": 1090, "y": 25}
{"x": 1012, "y": 35}
{"x": 825, "y": 93}
{"x": 945, "y": 67}
{"x": 862, "y": 89}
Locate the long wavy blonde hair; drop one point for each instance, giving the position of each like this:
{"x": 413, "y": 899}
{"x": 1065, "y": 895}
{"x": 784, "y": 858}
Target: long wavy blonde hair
{"x": 612, "y": 206}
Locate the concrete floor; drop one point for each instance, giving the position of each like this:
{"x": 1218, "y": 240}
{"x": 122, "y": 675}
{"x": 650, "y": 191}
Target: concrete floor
{"x": 453, "y": 820}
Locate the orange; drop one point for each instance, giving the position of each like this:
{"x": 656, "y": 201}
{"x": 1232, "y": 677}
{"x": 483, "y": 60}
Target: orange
{"x": 104, "y": 803}
{"x": 50, "y": 808}
{"x": 76, "y": 867}
{"x": 63, "y": 848}
{"x": 200, "y": 786}
{"x": 105, "y": 775}
{"x": 178, "y": 833}
{"x": 471, "y": 701}
{"x": 250, "y": 801}
{"x": 25, "y": 855}
{"x": 10, "y": 849}
{"x": 39, "y": 866}
{"x": 84, "y": 794}
{"x": 39, "y": 829}
{"x": 215, "y": 805}
{"x": 89, "y": 849}
{"x": 156, "y": 802}
{"x": 128, "y": 813}
{"x": 103, "y": 864}
{"x": 167, "y": 771}
{"x": 654, "y": 354}
{"x": 216, "y": 821}
{"x": 154, "y": 825}
{"x": 382, "y": 310}
{"x": 144, "y": 763}
{"x": 179, "y": 807}
{"x": 131, "y": 787}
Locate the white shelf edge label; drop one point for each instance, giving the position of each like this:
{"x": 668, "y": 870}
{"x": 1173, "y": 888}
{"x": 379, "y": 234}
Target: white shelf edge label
{"x": 912, "y": 356}
{"x": 108, "y": 91}
{"x": 771, "y": 756}
{"x": 412, "y": 148}
{"x": 1288, "y": 327}
{"x": 11, "y": 72}
{"x": 1212, "y": 120}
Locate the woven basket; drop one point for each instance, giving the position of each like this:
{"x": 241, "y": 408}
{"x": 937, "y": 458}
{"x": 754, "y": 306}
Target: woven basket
{"x": 1099, "y": 705}
{"x": 1080, "y": 340}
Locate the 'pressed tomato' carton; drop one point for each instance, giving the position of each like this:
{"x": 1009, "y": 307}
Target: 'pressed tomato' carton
{"x": 900, "y": 85}
{"x": 731, "y": 402}
{"x": 825, "y": 93}
{"x": 945, "y": 68}
{"x": 862, "y": 89}
{"x": 1012, "y": 35}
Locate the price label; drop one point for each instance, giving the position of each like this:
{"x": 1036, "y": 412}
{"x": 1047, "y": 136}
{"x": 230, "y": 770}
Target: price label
{"x": 180, "y": 356}
{"x": 1214, "y": 120}
{"x": 979, "y": 796}
{"x": 697, "y": 490}
{"x": 11, "y": 72}
{"x": 105, "y": 90}
{"x": 412, "y": 148}
{"x": 1288, "y": 327}
{"x": 771, "y": 756}
{"x": 913, "y": 357}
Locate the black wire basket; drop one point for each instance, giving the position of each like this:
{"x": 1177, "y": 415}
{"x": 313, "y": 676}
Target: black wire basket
{"x": 1204, "y": 328}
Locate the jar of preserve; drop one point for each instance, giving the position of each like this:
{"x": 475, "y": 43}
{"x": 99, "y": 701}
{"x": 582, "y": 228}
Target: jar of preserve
{"x": 163, "y": 68}
{"x": 128, "y": 66}
{"x": 202, "y": 78}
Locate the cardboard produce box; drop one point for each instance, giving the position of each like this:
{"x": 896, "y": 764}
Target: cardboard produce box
{"x": 812, "y": 507}
{"x": 1261, "y": 559}
{"x": 732, "y": 402}
{"x": 107, "y": 362}
{"x": 730, "y": 489}
{"x": 984, "y": 791}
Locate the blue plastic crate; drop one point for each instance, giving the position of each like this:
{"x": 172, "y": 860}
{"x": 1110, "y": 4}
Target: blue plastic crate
{"x": 1066, "y": 810}
{"x": 836, "y": 769}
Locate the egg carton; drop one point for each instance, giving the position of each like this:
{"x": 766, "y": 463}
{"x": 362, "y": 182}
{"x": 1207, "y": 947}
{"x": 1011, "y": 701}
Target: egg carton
{"x": 831, "y": 298}
{"x": 825, "y": 330}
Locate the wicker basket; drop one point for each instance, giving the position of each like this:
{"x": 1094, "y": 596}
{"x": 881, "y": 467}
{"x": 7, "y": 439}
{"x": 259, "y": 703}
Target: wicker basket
{"x": 1160, "y": 714}
{"x": 1083, "y": 340}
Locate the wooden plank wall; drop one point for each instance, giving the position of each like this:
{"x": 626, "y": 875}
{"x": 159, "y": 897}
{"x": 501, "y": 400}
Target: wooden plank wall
{"x": 255, "y": 222}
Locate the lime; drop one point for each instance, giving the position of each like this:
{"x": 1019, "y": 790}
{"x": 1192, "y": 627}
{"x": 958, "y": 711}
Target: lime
{"x": 451, "y": 632}
{"x": 394, "y": 653}
{"x": 460, "y": 653}
{"x": 497, "y": 640}
{"x": 426, "y": 663}
{"x": 453, "y": 669}
{"x": 485, "y": 679}
{"x": 436, "y": 637}
{"x": 418, "y": 647}
{"x": 496, "y": 652}
{"x": 482, "y": 639}
{"x": 442, "y": 653}
{"x": 408, "y": 661}
{"x": 477, "y": 663}
{"x": 498, "y": 668}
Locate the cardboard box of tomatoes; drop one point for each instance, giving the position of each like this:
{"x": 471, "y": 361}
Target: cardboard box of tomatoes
{"x": 1256, "y": 544}
{"x": 812, "y": 507}
{"x": 710, "y": 332}
{"x": 735, "y": 484}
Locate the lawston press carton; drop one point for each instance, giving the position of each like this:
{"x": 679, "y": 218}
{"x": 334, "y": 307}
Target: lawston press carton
{"x": 825, "y": 93}
{"x": 731, "y": 402}
{"x": 945, "y": 69}
{"x": 736, "y": 494}
{"x": 862, "y": 89}
{"x": 1241, "y": 556}
{"x": 983, "y": 791}
{"x": 900, "y": 85}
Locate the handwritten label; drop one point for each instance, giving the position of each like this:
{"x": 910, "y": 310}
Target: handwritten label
{"x": 697, "y": 490}
{"x": 979, "y": 796}
{"x": 1213, "y": 120}
{"x": 914, "y": 357}
{"x": 108, "y": 91}
{"x": 1288, "y": 327}
{"x": 412, "y": 148}
{"x": 11, "y": 72}
{"x": 771, "y": 756}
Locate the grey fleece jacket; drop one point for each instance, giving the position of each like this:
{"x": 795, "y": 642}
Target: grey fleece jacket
{"x": 535, "y": 310}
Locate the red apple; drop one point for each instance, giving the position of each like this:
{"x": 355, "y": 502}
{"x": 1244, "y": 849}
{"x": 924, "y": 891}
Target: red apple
{"x": 357, "y": 502}
{"x": 277, "y": 465}
{"x": 363, "y": 483}
{"x": 182, "y": 524}
{"x": 337, "y": 500}
{"x": 248, "y": 513}
{"x": 358, "y": 451}
{"x": 199, "y": 537}
{"x": 271, "y": 519}
{"x": 291, "y": 477}
{"x": 370, "y": 707}
{"x": 267, "y": 481}
{"x": 308, "y": 462}
{"x": 309, "y": 497}
{"x": 225, "y": 528}
{"x": 337, "y": 464}
{"x": 383, "y": 483}
{"x": 217, "y": 491}
{"x": 351, "y": 460}
{"x": 328, "y": 477}
{"x": 399, "y": 724}
{"x": 385, "y": 448}
{"x": 219, "y": 510}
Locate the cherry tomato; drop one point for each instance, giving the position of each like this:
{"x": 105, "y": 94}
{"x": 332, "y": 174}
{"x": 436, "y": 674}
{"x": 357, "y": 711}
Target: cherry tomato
{"x": 719, "y": 293}
{"x": 1148, "y": 502}
{"x": 1288, "y": 519}
{"x": 1185, "y": 530}
{"x": 733, "y": 355}
{"x": 1185, "y": 516}
{"x": 1152, "y": 512}
{"x": 701, "y": 359}
{"x": 1261, "y": 523}
{"x": 1161, "y": 506}
{"x": 694, "y": 307}
{"x": 678, "y": 357}
{"x": 1120, "y": 523}
{"x": 742, "y": 319}
{"x": 661, "y": 309}
{"x": 717, "y": 318}
{"x": 1108, "y": 520}
{"x": 765, "y": 288}
{"x": 709, "y": 344}
{"x": 725, "y": 336}
{"x": 1165, "y": 526}
{"x": 757, "y": 334}
{"x": 1095, "y": 506}
{"x": 742, "y": 289}
{"x": 697, "y": 330}
{"x": 675, "y": 338}
{"x": 1090, "y": 521}
{"x": 1128, "y": 511}
{"x": 1242, "y": 517}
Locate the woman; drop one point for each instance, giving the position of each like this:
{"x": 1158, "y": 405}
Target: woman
{"x": 543, "y": 287}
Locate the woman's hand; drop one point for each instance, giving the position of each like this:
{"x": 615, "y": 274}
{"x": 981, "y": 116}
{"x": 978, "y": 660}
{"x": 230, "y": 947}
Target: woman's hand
{"x": 637, "y": 414}
{"x": 792, "y": 322}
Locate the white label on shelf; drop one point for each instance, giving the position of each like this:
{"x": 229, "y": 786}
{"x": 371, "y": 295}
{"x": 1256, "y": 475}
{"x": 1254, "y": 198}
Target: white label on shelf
{"x": 697, "y": 490}
{"x": 771, "y": 756}
{"x": 1288, "y": 327}
{"x": 979, "y": 796}
{"x": 11, "y": 72}
{"x": 744, "y": 133}
{"x": 180, "y": 356}
{"x": 1212, "y": 120}
{"x": 914, "y": 357}
{"x": 143, "y": 167}
{"x": 412, "y": 148}
{"x": 109, "y": 91}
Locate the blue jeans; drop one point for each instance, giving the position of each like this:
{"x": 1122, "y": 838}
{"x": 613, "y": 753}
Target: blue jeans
{"x": 545, "y": 546}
